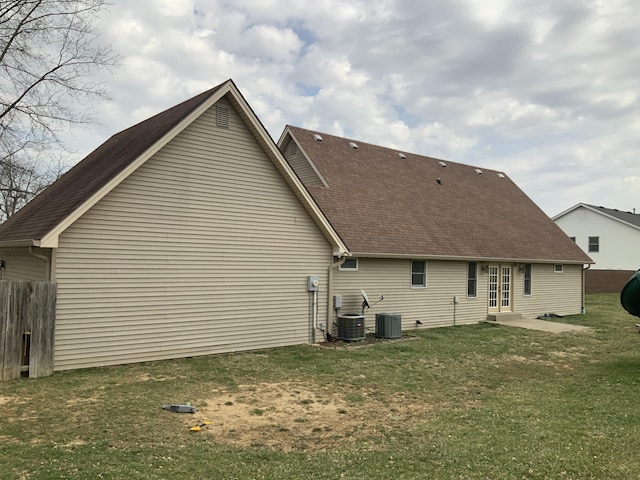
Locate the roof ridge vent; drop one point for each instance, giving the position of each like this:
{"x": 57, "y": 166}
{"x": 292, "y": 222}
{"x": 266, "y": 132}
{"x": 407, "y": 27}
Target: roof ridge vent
{"x": 317, "y": 137}
{"x": 402, "y": 155}
{"x": 442, "y": 164}
{"x": 478, "y": 171}
{"x": 353, "y": 145}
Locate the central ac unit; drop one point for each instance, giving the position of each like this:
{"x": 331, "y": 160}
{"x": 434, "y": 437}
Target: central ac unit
{"x": 388, "y": 325}
{"x": 351, "y": 327}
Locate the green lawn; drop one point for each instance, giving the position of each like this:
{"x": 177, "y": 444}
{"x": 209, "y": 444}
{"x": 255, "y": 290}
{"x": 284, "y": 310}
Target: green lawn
{"x": 470, "y": 402}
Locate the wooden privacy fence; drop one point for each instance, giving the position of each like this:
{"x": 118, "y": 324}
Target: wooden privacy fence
{"x": 27, "y": 329}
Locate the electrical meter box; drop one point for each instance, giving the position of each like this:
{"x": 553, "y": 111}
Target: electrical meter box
{"x": 312, "y": 283}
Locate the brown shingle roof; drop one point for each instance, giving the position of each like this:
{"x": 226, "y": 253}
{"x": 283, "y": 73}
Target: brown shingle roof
{"x": 382, "y": 204}
{"x": 71, "y": 190}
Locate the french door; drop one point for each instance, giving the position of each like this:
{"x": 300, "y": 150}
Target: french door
{"x": 500, "y": 278}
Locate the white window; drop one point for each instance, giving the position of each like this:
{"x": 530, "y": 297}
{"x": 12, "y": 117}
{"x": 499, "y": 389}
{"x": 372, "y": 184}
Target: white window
{"x": 558, "y": 268}
{"x": 351, "y": 263}
{"x": 418, "y": 273}
{"x": 594, "y": 244}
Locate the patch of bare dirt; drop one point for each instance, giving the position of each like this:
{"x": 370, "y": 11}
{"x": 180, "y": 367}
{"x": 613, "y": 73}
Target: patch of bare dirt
{"x": 4, "y": 400}
{"x": 302, "y": 417}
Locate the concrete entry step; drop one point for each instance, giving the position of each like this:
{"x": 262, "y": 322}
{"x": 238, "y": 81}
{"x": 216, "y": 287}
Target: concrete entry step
{"x": 504, "y": 316}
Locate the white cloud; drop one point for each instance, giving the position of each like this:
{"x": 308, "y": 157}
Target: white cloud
{"x": 545, "y": 90}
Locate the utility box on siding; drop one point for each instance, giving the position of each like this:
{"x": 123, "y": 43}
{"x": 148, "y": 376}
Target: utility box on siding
{"x": 388, "y": 325}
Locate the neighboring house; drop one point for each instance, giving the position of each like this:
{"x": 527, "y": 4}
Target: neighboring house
{"x": 187, "y": 234}
{"x": 444, "y": 243}
{"x": 611, "y": 238}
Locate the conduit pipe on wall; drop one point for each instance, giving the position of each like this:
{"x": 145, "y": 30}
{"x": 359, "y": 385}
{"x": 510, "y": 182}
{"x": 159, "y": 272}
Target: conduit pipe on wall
{"x": 45, "y": 259}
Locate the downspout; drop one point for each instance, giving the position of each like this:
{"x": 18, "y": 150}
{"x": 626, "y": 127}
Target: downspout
{"x": 332, "y": 267}
{"x": 43, "y": 258}
{"x": 584, "y": 310}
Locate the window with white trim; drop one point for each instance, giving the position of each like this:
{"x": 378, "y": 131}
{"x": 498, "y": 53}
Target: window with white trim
{"x": 351, "y": 263}
{"x": 558, "y": 268}
{"x": 418, "y": 273}
{"x": 594, "y": 244}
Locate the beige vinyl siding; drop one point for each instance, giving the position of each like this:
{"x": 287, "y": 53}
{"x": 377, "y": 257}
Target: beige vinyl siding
{"x": 559, "y": 293}
{"x": 203, "y": 250}
{"x": 433, "y": 305}
{"x": 300, "y": 165}
{"x": 22, "y": 266}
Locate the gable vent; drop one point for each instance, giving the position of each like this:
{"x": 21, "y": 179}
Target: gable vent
{"x": 353, "y": 145}
{"x": 222, "y": 116}
{"x": 442, "y": 164}
{"x": 402, "y": 155}
{"x": 500, "y": 175}
{"x": 478, "y": 171}
{"x": 317, "y": 137}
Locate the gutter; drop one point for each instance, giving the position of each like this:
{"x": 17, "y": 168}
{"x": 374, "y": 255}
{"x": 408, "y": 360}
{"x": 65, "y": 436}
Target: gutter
{"x": 332, "y": 267}
{"x": 584, "y": 288}
{"x": 465, "y": 258}
{"x": 19, "y": 243}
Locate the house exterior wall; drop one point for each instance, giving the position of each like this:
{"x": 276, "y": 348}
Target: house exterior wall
{"x": 559, "y": 293}
{"x": 22, "y": 266}
{"x": 618, "y": 242}
{"x": 433, "y": 305}
{"x": 301, "y": 165}
{"x": 203, "y": 250}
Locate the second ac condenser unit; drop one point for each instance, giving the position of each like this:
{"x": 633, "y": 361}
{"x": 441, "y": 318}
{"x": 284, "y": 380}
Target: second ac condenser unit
{"x": 388, "y": 325}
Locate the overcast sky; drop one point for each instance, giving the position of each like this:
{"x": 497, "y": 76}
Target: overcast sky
{"x": 544, "y": 90}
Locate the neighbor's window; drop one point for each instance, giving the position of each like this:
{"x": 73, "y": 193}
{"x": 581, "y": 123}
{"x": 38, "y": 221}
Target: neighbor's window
{"x": 350, "y": 263}
{"x": 594, "y": 244}
{"x": 472, "y": 279}
{"x": 418, "y": 273}
{"x": 558, "y": 268}
{"x": 527, "y": 278}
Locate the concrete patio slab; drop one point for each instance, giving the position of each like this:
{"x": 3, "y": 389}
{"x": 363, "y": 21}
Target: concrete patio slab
{"x": 543, "y": 325}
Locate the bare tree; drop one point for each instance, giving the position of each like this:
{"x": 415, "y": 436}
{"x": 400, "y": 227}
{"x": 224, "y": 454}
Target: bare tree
{"x": 49, "y": 53}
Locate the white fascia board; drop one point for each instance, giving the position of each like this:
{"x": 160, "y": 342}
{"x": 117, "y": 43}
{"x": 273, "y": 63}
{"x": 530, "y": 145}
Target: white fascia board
{"x": 569, "y": 210}
{"x": 50, "y": 240}
{"x": 599, "y": 212}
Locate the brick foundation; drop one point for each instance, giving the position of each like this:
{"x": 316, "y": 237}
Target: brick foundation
{"x": 606, "y": 281}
